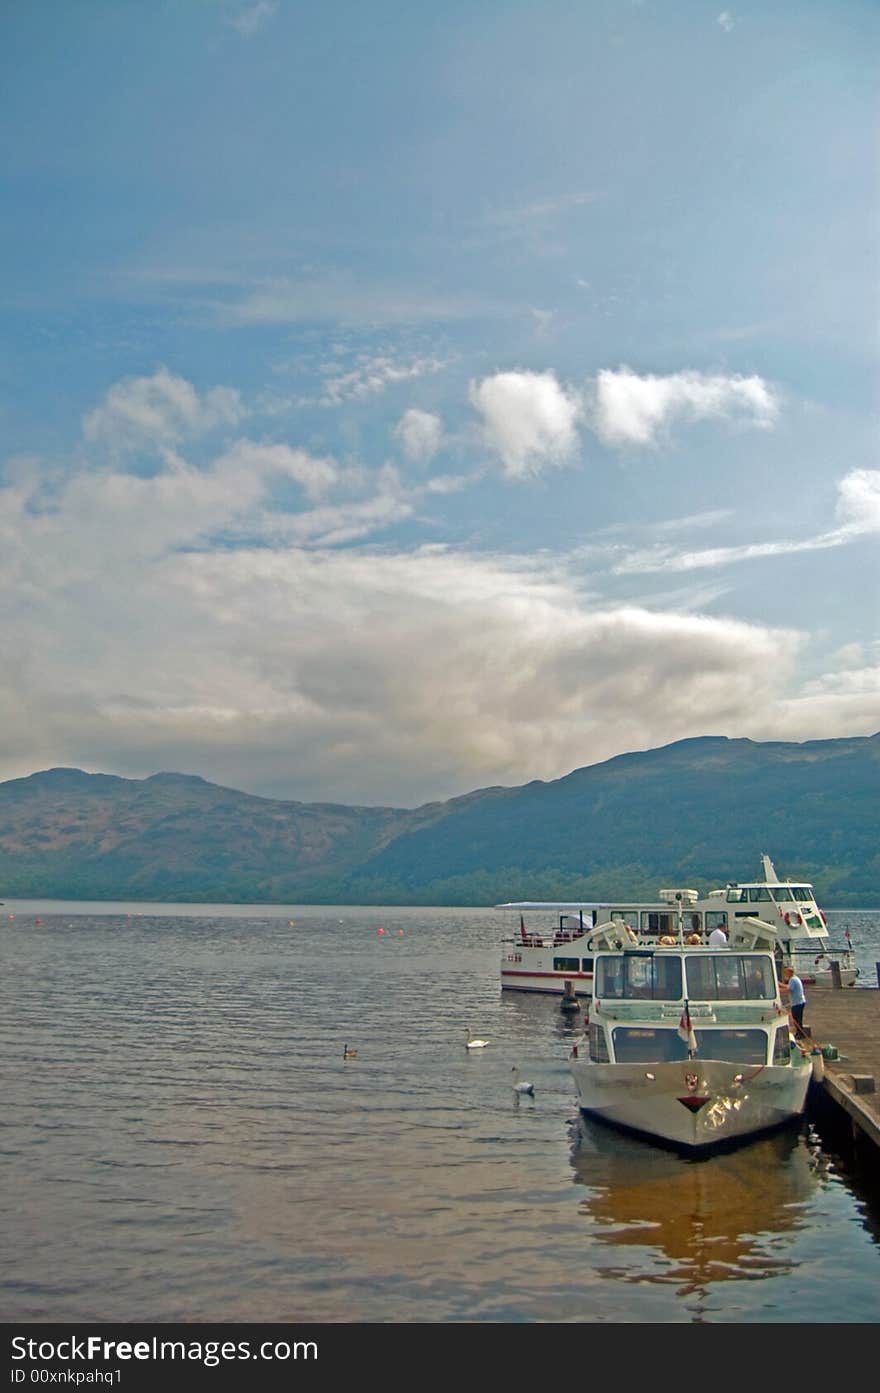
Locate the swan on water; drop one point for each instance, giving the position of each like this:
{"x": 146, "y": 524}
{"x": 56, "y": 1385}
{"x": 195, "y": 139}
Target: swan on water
{"x": 471, "y": 1042}
{"x": 349, "y": 1054}
{"x": 520, "y": 1086}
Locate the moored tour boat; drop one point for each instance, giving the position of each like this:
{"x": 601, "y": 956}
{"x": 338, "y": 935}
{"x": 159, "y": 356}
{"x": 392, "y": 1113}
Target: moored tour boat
{"x": 689, "y": 1045}
{"x": 781, "y": 916}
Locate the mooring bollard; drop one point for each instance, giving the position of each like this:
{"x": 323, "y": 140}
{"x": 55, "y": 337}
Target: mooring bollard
{"x": 835, "y": 974}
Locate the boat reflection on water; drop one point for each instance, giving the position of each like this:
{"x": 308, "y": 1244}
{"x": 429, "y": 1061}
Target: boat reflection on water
{"x": 701, "y": 1221}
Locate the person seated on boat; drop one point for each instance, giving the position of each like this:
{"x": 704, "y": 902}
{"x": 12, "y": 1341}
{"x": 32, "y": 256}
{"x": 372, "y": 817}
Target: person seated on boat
{"x": 694, "y": 939}
{"x": 667, "y": 941}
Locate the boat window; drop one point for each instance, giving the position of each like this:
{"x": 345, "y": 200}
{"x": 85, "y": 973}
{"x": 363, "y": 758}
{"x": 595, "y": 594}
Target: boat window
{"x": 735, "y": 895}
{"x": 758, "y": 893}
{"x": 566, "y": 964}
{"x": 656, "y": 922}
{"x": 730, "y": 977}
{"x": 647, "y": 1045}
{"x": 587, "y": 964}
{"x": 626, "y": 916}
{"x": 802, "y": 892}
{"x": 716, "y": 919}
{"x": 638, "y": 976}
{"x": 782, "y": 1047}
{"x": 781, "y": 892}
{"x": 737, "y": 1046}
{"x": 598, "y": 1045}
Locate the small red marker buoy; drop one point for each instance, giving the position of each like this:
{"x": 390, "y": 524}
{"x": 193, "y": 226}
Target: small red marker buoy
{"x": 400, "y": 933}
{"x": 381, "y": 931}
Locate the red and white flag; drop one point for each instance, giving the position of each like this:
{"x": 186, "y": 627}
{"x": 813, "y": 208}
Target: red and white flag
{"x": 686, "y": 1030}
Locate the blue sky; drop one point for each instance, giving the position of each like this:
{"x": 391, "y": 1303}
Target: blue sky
{"x": 398, "y": 400}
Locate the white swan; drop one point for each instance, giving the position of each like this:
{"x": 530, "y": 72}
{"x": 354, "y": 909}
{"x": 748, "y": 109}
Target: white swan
{"x": 521, "y": 1087}
{"x": 471, "y": 1043}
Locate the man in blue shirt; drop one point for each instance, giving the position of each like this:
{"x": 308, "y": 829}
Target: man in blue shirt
{"x": 797, "y": 998}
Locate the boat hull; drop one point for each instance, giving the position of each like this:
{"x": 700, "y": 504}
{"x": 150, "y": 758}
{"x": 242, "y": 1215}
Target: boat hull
{"x": 552, "y": 983}
{"x": 692, "y": 1104}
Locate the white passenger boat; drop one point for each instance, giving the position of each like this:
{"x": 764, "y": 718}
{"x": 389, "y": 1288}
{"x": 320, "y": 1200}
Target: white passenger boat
{"x": 688, "y": 1045}
{"x": 774, "y": 914}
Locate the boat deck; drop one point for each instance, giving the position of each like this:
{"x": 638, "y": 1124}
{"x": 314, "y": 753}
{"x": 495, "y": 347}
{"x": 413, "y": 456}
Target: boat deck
{"x": 849, "y": 1019}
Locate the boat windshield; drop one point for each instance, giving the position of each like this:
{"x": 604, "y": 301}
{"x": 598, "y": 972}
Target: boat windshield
{"x": 762, "y": 894}
{"x": 730, "y": 977}
{"x": 638, "y": 976}
{"x": 647, "y": 1045}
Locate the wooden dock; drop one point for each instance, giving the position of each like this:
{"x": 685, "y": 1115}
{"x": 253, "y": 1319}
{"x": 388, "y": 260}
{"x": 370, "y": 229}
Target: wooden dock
{"x": 849, "y": 1019}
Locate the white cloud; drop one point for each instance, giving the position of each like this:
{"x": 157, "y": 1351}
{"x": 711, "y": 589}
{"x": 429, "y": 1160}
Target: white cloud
{"x": 420, "y": 434}
{"x": 362, "y": 674}
{"x": 316, "y": 475}
{"x": 529, "y": 420}
{"x": 858, "y": 504}
{"x": 633, "y": 410}
{"x": 858, "y": 510}
{"x": 665, "y": 559}
{"x": 253, "y": 18}
{"x": 157, "y": 411}
{"x": 373, "y": 375}
{"x": 726, "y": 21}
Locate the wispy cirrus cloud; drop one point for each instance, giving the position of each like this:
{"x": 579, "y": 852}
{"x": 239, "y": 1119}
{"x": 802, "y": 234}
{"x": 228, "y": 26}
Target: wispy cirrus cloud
{"x": 250, "y": 19}
{"x": 857, "y": 511}
{"x": 545, "y": 210}
{"x": 372, "y": 375}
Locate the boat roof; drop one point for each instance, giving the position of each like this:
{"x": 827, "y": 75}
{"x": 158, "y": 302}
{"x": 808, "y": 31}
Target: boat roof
{"x": 767, "y": 884}
{"x": 582, "y": 904}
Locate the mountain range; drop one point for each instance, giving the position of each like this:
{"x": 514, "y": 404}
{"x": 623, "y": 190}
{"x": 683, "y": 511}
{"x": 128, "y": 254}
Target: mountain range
{"x": 698, "y": 812}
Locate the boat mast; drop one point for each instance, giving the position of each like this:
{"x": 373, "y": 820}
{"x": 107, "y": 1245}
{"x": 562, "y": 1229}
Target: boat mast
{"x": 770, "y": 875}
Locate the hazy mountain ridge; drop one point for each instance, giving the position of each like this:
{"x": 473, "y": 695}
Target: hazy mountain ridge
{"x": 697, "y": 812}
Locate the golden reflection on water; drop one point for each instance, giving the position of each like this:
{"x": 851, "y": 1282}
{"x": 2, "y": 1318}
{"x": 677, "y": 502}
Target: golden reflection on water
{"x": 697, "y": 1222}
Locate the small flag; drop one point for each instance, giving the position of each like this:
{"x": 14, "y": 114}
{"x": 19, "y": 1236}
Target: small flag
{"x": 847, "y": 937}
{"x": 686, "y": 1030}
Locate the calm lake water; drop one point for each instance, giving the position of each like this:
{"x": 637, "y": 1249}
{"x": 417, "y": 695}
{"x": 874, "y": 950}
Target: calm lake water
{"x": 184, "y": 1141}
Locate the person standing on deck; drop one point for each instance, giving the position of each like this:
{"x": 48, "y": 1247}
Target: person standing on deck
{"x": 797, "y": 998}
{"x": 718, "y": 938}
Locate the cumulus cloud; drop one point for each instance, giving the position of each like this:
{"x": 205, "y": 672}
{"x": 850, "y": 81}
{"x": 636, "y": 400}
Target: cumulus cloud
{"x": 726, "y": 21}
{"x": 858, "y": 504}
{"x": 280, "y": 664}
{"x": 630, "y": 409}
{"x": 420, "y": 434}
{"x": 143, "y": 412}
{"x": 529, "y": 420}
{"x": 316, "y": 475}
